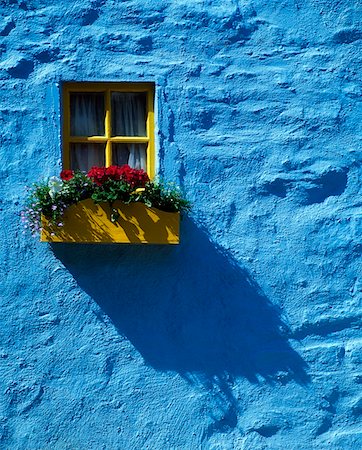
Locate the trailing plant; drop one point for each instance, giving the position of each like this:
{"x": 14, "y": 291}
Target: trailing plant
{"x": 166, "y": 197}
{"x": 52, "y": 197}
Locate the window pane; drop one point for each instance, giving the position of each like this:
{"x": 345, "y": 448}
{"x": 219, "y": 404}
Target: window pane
{"x": 87, "y": 114}
{"x": 132, "y": 154}
{"x": 84, "y": 156}
{"x": 129, "y": 114}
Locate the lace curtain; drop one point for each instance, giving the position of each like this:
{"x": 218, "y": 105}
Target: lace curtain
{"x": 128, "y": 118}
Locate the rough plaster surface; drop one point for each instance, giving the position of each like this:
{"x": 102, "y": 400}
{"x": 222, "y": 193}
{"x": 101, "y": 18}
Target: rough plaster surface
{"x": 246, "y": 336}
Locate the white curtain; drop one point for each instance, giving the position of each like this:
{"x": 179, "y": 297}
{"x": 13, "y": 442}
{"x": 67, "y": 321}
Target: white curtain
{"x": 128, "y": 114}
{"x": 85, "y": 156}
{"x": 128, "y": 119}
{"x": 135, "y": 155}
{"x": 87, "y": 114}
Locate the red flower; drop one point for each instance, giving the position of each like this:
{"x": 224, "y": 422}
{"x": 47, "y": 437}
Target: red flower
{"x": 98, "y": 175}
{"x": 66, "y": 175}
{"x": 134, "y": 177}
{"x": 114, "y": 172}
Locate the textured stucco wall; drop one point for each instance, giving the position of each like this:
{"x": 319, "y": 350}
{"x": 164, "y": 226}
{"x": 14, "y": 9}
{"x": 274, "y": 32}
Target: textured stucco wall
{"x": 246, "y": 336}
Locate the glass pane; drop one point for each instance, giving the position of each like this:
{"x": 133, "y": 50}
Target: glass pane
{"x": 135, "y": 155}
{"x": 87, "y": 114}
{"x": 129, "y": 113}
{"x": 85, "y": 156}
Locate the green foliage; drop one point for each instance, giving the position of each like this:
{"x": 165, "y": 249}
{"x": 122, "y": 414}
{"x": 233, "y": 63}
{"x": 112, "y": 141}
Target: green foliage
{"x": 41, "y": 200}
{"x": 78, "y": 188}
{"x": 51, "y": 198}
{"x": 45, "y": 200}
{"x": 112, "y": 190}
{"x": 166, "y": 197}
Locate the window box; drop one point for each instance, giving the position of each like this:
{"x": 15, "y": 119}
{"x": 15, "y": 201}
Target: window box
{"x": 88, "y": 222}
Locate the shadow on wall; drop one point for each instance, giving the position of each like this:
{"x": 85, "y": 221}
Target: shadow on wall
{"x": 188, "y": 308}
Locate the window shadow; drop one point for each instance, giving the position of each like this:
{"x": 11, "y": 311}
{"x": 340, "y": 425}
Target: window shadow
{"x": 189, "y": 308}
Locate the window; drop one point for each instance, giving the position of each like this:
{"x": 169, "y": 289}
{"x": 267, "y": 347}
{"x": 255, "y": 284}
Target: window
{"x": 108, "y": 124}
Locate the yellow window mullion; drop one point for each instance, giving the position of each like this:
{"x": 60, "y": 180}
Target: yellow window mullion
{"x": 150, "y": 126}
{"x": 108, "y": 128}
{"x": 99, "y": 87}
{"x": 130, "y": 139}
{"x": 86, "y": 139}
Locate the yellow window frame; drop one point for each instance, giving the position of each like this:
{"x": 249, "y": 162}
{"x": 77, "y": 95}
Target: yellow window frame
{"x": 108, "y": 139}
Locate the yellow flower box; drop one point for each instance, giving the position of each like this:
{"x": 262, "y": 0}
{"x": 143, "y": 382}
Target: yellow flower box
{"x": 88, "y": 222}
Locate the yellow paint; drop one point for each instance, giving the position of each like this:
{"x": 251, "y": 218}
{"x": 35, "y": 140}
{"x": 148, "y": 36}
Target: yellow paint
{"x": 108, "y": 139}
{"x": 104, "y": 140}
{"x": 150, "y": 127}
{"x": 87, "y": 222}
{"x": 108, "y": 128}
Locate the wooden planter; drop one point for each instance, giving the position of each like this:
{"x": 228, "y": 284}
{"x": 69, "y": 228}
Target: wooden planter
{"x": 87, "y": 222}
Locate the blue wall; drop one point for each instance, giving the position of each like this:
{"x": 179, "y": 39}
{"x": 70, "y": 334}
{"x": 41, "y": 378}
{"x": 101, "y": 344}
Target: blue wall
{"x": 246, "y": 335}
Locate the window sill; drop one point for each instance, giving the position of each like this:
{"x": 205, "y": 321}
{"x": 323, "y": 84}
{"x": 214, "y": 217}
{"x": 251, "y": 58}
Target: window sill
{"x": 87, "y": 222}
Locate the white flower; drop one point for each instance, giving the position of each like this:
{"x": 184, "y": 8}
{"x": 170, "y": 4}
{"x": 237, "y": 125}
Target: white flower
{"x": 55, "y": 185}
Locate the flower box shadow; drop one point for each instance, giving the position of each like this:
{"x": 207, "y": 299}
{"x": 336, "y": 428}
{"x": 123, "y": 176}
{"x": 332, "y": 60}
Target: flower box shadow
{"x": 188, "y": 308}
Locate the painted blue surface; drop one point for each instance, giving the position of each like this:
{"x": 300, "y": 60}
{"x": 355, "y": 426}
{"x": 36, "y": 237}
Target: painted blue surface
{"x": 247, "y": 335}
